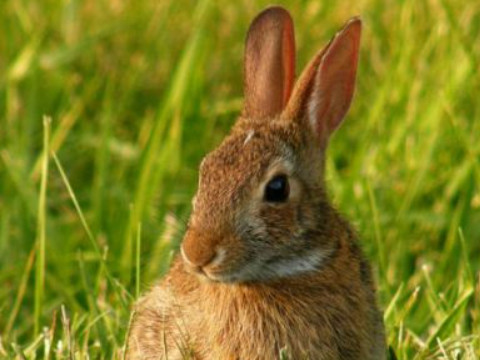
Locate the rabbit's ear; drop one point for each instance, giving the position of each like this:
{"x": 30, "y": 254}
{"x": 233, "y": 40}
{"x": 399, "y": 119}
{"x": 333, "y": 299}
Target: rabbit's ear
{"x": 324, "y": 91}
{"x": 269, "y": 65}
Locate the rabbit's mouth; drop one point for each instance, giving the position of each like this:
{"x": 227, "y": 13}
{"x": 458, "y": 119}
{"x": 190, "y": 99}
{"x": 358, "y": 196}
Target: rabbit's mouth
{"x": 263, "y": 270}
{"x": 226, "y": 274}
{"x": 229, "y": 278}
{"x": 216, "y": 275}
{"x": 209, "y": 276}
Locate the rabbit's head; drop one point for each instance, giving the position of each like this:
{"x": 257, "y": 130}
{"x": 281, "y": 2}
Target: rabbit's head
{"x": 261, "y": 212}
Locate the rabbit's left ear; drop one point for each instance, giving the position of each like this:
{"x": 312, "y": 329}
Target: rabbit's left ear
{"x": 269, "y": 65}
{"x": 325, "y": 89}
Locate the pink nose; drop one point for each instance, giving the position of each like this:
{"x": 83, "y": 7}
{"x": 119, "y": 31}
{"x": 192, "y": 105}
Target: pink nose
{"x": 197, "y": 250}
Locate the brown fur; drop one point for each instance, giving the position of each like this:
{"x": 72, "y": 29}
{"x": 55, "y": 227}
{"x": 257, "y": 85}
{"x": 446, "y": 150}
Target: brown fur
{"x": 259, "y": 277}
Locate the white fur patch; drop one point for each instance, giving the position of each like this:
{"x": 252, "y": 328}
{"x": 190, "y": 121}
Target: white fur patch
{"x": 184, "y": 256}
{"x": 249, "y": 137}
{"x": 258, "y": 270}
{"x": 312, "y": 106}
{"x": 307, "y": 263}
{"x": 219, "y": 257}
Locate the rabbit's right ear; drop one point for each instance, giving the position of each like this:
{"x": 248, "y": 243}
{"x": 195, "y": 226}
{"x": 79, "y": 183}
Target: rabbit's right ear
{"x": 269, "y": 65}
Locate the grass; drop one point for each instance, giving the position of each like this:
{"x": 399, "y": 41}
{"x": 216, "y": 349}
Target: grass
{"x": 93, "y": 201}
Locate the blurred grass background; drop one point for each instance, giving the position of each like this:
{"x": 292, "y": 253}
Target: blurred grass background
{"x": 126, "y": 97}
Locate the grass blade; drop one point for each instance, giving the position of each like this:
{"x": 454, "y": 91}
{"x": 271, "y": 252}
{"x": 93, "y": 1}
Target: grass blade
{"x": 41, "y": 229}
{"x": 90, "y": 236}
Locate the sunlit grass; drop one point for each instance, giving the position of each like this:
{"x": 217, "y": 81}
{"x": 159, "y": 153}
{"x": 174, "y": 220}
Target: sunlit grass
{"x": 138, "y": 92}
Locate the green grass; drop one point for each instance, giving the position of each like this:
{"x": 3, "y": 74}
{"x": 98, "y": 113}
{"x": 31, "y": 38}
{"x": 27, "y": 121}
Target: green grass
{"x": 139, "y": 91}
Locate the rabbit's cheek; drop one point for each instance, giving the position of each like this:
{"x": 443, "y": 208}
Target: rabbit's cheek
{"x": 280, "y": 222}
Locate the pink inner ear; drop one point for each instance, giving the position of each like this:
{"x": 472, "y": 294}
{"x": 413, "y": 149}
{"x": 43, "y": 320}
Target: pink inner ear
{"x": 334, "y": 82}
{"x": 288, "y": 62}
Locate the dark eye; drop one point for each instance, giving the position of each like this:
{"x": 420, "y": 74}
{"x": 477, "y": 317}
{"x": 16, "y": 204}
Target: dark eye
{"x": 277, "y": 189}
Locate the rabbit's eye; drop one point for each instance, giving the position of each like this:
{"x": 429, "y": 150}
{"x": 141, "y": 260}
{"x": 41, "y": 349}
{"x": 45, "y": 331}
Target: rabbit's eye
{"x": 277, "y": 189}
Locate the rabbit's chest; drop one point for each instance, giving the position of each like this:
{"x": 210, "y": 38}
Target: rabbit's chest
{"x": 256, "y": 332}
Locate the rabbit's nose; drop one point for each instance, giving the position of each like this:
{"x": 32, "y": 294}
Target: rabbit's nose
{"x": 198, "y": 251}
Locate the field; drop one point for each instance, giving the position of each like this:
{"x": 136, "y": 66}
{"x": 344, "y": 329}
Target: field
{"x": 107, "y": 107}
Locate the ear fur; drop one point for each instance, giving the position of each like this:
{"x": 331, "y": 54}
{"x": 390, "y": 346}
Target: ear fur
{"x": 269, "y": 65}
{"x": 325, "y": 89}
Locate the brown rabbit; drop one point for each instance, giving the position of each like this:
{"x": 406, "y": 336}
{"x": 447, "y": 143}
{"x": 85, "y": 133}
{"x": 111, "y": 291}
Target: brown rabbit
{"x": 268, "y": 265}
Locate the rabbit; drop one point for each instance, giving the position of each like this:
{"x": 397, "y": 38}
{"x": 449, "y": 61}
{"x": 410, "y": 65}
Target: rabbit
{"x": 268, "y": 268}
